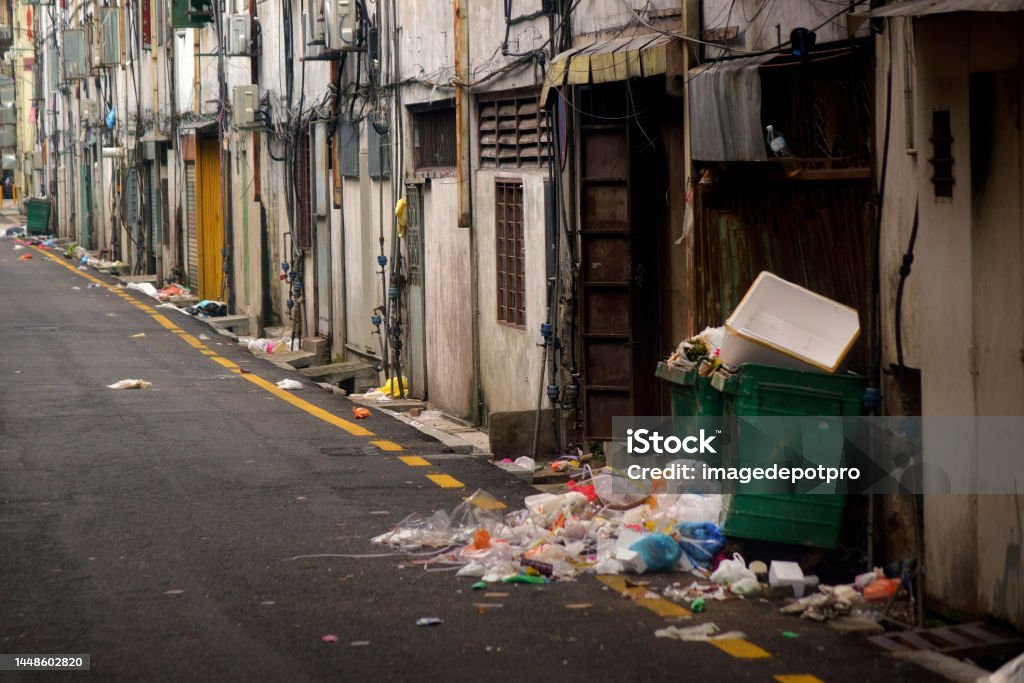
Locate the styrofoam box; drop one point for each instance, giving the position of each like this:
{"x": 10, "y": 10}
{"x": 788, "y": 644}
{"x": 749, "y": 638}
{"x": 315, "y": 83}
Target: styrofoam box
{"x": 779, "y": 323}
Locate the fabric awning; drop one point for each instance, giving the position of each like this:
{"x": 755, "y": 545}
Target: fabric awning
{"x": 605, "y": 61}
{"x": 920, "y": 8}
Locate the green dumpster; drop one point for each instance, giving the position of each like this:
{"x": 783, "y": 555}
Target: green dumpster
{"x": 765, "y": 390}
{"x": 37, "y": 210}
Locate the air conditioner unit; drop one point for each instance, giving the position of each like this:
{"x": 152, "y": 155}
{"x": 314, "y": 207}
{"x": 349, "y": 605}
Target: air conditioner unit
{"x": 88, "y": 110}
{"x": 245, "y": 102}
{"x": 239, "y": 39}
{"x": 315, "y": 23}
{"x": 312, "y": 48}
{"x": 340, "y": 23}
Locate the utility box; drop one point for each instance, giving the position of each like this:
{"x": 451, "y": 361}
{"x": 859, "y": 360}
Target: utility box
{"x": 239, "y": 35}
{"x": 191, "y": 13}
{"x": 340, "y": 23}
{"x": 245, "y": 102}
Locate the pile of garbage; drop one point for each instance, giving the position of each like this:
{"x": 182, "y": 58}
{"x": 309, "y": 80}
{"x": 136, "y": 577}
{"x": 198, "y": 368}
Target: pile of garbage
{"x": 604, "y": 523}
{"x": 80, "y": 254}
{"x": 208, "y": 308}
{"x": 707, "y": 344}
{"x": 280, "y": 345}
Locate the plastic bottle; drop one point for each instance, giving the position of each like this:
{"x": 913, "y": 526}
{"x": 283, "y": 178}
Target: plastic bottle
{"x": 777, "y": 143}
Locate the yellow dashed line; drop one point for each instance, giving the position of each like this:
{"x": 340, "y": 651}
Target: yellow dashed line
{"x": 192, "y": 341}
{"x": 350, "y": 427}
{"x": 207, "y": 352}
{"x": 660, "y": 606}
{"x": 413, "y": 460}
{"x": 741, "y": 649}
{"x": 225, "y": 362}
{"x": 386, "y": 445}
{"x": 798, "y": 678}
{"x": 446, "y": 481}
{"x": 164, "y": 321}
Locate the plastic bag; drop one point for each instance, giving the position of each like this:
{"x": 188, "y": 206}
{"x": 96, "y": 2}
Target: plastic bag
{"x": 732, "y": 571}
{"x": 130, "y": 384}
{"x": 289, "y": 385}
{"x": 700, "y": 541}
{"x": 658, "y": 551}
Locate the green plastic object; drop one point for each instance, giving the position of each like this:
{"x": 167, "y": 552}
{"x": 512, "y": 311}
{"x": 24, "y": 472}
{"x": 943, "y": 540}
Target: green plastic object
{"x": 697, "y": 605}
{"x": 790, "y": 634}
{"x": 478, "y": 586}
{"x": 37, "y": 213}
{"x": 523, "y": 578}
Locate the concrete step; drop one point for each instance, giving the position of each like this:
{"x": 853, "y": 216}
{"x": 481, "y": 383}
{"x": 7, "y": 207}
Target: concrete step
{"x": 138, "y": 279}
{"x": 238, "y": 324}
{"x": 359, "y": 374}
{"x": 288, "y": 360}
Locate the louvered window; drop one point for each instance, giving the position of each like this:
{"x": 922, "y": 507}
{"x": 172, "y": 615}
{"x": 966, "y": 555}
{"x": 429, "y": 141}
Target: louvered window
{"x": 513, "y": 133}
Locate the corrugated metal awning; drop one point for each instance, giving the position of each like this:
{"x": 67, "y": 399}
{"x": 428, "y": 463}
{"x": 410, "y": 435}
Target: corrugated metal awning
{"x": 920, "y": 8}
{"x": 605, "y": 61}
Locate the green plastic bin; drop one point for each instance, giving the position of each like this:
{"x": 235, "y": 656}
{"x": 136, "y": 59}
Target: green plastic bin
{"x": 766, "y": 390}
{"x": 37, "y": 212}
{"x": 692, "y": 395}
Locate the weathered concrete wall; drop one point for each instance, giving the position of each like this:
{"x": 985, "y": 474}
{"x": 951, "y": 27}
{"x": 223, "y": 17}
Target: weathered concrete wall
{"x": 757, "y": 22}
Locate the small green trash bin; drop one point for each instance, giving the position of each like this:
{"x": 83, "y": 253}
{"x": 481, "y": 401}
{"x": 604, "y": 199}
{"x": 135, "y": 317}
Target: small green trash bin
{"x": 767, "y": 390}
{"x": 37, "y": 211}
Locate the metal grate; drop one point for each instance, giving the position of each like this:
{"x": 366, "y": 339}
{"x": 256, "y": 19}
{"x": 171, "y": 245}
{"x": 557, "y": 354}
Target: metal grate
{"x": 192, "y": 219}
{"x": 513, "y": 133}
{"x": 303, "y": 234}
{"x": 508, "y": 200}
{"x": 434, "y": 138}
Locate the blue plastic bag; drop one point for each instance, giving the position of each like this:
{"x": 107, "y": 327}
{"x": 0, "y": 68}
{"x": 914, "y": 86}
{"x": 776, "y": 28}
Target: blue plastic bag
{"x": 701, "y": 541}
{"x": 658, "y": 551}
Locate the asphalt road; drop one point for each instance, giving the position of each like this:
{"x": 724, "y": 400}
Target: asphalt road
{"x": 154, "y": 530}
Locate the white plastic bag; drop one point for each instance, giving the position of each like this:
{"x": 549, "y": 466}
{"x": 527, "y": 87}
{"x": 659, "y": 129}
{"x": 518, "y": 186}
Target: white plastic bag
{"x": 130, "y": 384}
{"x": 289, "y": 385}
{"x": 732, "y": 571}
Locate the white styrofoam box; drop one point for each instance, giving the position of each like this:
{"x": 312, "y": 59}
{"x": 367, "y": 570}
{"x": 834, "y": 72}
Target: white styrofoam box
{"x": 787, "y": 574}
{"x": 780, "y": 323}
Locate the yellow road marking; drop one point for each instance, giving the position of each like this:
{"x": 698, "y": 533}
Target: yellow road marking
{"x": 313, "y": 410}
{"x": 486, "y": 501}
{"x": 192, "y": 341}
{"x": 741, "y": 649}
{"x": 317, "y": 412}
{"x": 660, "y": 606}
{"x": 446, "y": 481}
{"x": 164, "y": 321}
{"x": 207, "y": 352}
{"x": 385, "y": 445}
{"x": 413, "y": 460}
{"x": 798, "y": 678}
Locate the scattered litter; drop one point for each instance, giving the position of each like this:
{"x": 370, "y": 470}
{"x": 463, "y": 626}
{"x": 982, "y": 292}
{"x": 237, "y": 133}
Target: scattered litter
{"x": 204, "y": 336}
{"x": 379, "y": 512}
{"x": 289, "y": 385}
{"x": 245, "y": 371}
{"x": 25, "y": 257}
{"x": 268, "y": 602}
{"x": 144, "y": 287}
{"x": 329, "y": 638}
{"x": 524, "y": 578}
{"x": 360, "y": 412}
{"x": 172, "y": 306}
{"x": 482, "y": 607}
{"x": 579, "y": 605}
{"x": 140, "y": 335}
{"x": 18, "y": 247}
{"x": 479, "y": 586}
{"x": 698, "y": 633}
{"x": 790, "y": 634}
{"x": 208, "y": 309}
{"x": 429, "y": 621}
{"x": 821, "y": 606}
{"x": 93, "y": 285}
{"x": 170, "y": 291}
{"x": 130, "y": 384}
{"x": 359, "y": 643}
{"x": 495, "y": 595}
{"x": 76, "y": 287}
{"x": 174, "y": 591}
{"x": 787, "y": 574}
{"x": 697, "y": 606}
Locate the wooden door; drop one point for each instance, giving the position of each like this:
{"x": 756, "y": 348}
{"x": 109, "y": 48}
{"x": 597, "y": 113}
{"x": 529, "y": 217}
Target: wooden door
{"x": 210, "y": 236}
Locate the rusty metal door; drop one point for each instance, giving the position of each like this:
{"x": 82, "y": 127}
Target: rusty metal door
{"x": 606, "y": 277}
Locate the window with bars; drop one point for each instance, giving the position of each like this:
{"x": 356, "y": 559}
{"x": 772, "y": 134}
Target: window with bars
{"x": 433, "y": 138}
{"x": 508, "y": 202}
{"x": 513, "y": 133}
